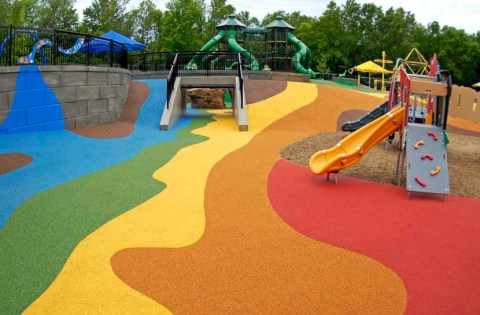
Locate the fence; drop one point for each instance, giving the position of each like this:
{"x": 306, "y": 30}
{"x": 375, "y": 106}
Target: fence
{"x": 158, "y": 61}
{"x": 27, "y": 45}
{"x": 151, "y": 61}
{"x": 218, "y": 63}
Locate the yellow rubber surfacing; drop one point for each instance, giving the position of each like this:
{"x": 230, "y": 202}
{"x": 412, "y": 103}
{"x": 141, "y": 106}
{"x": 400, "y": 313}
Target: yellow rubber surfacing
{"x": 175, "y": 218}
{"x": 86, "y": 284}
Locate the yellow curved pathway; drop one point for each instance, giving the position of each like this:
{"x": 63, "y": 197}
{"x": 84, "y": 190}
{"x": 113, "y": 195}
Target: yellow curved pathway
{"x": 174, "y": 218}
{"x": 86, "y": 284}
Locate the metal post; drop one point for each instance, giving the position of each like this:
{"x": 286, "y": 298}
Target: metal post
{"x": 111, "y": 53}
{"x": 208, "y": 65}
{"x": 10, "y": 47}
{"x": 144, "y": 61}
{"x": 55, "y": 47}
{"x": 88, "y": 49}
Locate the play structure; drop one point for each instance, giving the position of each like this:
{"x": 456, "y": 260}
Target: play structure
{"x": 417, "y": 109}
{"x": 262, "y": 48}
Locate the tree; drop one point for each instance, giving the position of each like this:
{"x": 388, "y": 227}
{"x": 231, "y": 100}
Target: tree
{"x": 104, "y": 15}
{"x": 331, "y": 27}
{"x": 370, "y": 33}
{"x": 249, "y": 21}
{"x": 458, "y": 53}
{"x": 144, "y": 24}
{"x": 397, "y": 27}
{"x": 5, "y": 13}
{"x": 294, "y": 18}
{"x": 217, "y": 12}
{"x": 184, "y": 23}
{"x": 18, "y": 12}
{"x": 57, "y": 14}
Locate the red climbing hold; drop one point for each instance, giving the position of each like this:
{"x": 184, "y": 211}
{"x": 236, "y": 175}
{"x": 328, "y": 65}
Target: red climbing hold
{"x": 417, "y": 178}
{"x": 431, "y": 133}
{"x": 427, "y": 156}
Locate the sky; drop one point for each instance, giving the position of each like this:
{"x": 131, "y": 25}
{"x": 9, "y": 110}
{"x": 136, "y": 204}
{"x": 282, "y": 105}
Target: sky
{"x": 461, "y": 14}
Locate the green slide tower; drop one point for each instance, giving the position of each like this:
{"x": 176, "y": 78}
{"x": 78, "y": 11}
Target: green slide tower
{"x": 273, "y": 46}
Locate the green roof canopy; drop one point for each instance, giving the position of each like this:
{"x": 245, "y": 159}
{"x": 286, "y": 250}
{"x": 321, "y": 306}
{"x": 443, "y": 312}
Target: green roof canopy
{"x": 256, "y": 30}
{"x": 279, "y": 23}
{"x": 231, "y": 21}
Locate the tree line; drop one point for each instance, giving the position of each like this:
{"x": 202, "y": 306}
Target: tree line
{"x": 343, "y": 36}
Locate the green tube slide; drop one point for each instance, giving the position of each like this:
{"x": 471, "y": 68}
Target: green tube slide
{"x": 302, "y": 54}
{"x": 232, "y": 43}
{"x": 211, "y": 43}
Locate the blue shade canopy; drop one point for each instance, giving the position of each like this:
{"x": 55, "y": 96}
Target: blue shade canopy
{"x": 98, "y": 45}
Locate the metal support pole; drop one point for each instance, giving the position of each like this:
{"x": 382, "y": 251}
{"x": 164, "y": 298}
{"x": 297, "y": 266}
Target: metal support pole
{"x": 10, "y": 47}
{"x": 88, "y": 38}
{"x": 111, "y": 54}
{"x": 55, "y": 47}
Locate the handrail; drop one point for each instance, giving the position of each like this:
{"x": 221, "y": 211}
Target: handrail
{"x": 217, "y": 63}
{"x": 172, "y": 76}
{"x": 240, "y": 78}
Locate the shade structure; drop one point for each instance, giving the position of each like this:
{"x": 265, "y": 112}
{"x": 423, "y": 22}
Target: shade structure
{"x": 98, "y": 45}
{"x": 370, "y": 67}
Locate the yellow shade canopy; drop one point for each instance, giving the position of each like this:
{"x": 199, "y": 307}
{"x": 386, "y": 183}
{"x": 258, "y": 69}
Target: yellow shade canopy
{"x": 370, "y": 66}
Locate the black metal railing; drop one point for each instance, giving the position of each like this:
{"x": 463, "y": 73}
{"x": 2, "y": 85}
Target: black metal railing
{"x": 240, "y": 79}
{"x": 151, "y": 61}
{"x": 218, "y": 63}
{"x": 159, "y": 61}
{"x": 172, "y": 76}
{"x": 20, "y": 45}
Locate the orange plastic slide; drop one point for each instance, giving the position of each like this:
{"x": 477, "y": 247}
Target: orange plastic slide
{"x": 352, "y": 148}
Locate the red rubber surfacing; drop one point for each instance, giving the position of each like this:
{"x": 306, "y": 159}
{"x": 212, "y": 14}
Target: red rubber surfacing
{"x": 433, "y": 245}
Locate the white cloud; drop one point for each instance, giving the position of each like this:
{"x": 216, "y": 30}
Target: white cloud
{"x": 464, "y": 14}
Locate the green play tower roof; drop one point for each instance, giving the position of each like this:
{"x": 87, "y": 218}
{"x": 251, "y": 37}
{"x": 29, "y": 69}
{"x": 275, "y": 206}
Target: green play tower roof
{"x": 279, "y": 23}
{"x": 232, "y": 21}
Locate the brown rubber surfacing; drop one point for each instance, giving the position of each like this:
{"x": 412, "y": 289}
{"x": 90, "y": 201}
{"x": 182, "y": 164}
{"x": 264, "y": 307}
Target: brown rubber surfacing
{"x": 125, "y": 125}
{"x": 259, "y": 90}
{"x": 13, "y": 161}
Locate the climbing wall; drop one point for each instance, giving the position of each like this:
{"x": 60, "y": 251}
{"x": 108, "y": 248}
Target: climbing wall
{"x": 427, "y": 168}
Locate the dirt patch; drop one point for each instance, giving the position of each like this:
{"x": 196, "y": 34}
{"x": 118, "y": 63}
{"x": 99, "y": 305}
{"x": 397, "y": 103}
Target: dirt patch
{"x": 379, "y": 164}
{"x": 125, "y": 125}
{"x": 453, "y": 129}
{"x": 259, "y": 90}
{"x": 13, "y": 161}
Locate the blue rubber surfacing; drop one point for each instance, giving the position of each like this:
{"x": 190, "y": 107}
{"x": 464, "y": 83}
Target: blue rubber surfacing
{"x": 35, "y": 107}
{"x": 60, "y": 156}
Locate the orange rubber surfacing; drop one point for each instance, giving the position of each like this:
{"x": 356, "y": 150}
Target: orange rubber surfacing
{"x": 249, "y": 260}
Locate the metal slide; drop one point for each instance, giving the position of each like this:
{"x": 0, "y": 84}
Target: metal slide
{"x": 303, "y": 54}
{"x": 377, "y": 112}
{"x": 353, "y": 147}
{"x": 232, "y": 43}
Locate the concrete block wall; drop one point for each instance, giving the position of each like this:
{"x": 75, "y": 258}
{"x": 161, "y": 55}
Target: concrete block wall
{"x": 253, "y": 75}
{"x": 35, "y": 98}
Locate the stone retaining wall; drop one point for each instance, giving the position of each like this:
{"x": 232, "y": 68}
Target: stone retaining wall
{"x": 87, "y": 96}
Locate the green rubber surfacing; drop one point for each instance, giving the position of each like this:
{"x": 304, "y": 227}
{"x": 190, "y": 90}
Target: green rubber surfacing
{"x": 42, "y": 232}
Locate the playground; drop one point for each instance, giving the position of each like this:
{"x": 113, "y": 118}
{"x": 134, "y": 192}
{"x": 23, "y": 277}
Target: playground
{"x": 207, "y": 219}
{"x": 118, "y": 197}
